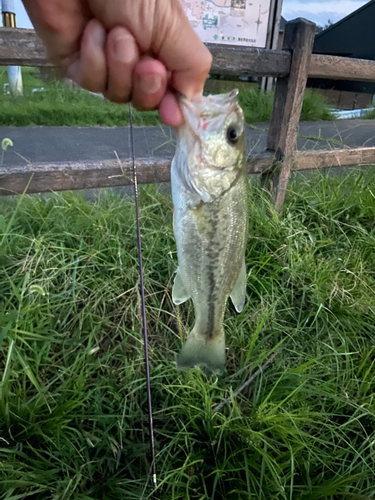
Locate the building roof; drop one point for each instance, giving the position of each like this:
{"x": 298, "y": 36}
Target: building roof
{"x": 353, "y": 36}
{"x": 282, "y": 23}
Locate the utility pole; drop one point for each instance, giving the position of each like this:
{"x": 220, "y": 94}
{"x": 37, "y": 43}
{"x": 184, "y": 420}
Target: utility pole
{"x": 14, "y": 72}
{"x": 272, "y": 37}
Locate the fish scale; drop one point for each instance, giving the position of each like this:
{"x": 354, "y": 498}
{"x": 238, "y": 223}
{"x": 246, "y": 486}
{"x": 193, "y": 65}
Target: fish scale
{"x": 210, "y": 222}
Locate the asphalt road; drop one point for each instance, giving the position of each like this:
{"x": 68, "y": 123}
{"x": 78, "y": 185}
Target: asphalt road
{"x": 56, "y": 144}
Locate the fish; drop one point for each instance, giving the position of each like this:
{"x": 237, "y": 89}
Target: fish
{"x": 210, "y": 222}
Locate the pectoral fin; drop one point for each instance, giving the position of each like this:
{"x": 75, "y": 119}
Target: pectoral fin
{"x": 238, "y": 294}
{"x": 179, "y": 293}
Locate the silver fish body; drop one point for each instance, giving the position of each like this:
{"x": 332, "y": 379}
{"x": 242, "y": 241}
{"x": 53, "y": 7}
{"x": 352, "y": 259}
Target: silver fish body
{"x": 209, "y": 188}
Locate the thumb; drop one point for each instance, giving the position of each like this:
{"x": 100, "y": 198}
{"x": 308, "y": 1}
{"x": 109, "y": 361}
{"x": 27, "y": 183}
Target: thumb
{"x": 181, "y": 50}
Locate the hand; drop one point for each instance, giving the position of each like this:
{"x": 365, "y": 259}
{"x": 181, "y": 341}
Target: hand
{"x": 130, "y": 50}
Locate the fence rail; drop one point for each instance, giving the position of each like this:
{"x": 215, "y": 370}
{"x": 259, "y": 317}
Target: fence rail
{"x": 292, "y": 66}
{"x": 22, "y": 47}
{"x": 64, "y": 176}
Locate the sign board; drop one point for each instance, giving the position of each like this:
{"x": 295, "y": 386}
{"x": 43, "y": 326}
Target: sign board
{"x": 234, "y": 22}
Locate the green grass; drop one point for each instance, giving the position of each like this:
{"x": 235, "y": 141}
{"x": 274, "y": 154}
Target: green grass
{"x": 30, "y": 77}
{"x": 370, "y": 115}
{"x": 315, "y": 107}
{"x": 318, "y": 138}
{"x": 257, "y": 106}
{"x": 59, "y": 105}
{"x": 73, "y": 410}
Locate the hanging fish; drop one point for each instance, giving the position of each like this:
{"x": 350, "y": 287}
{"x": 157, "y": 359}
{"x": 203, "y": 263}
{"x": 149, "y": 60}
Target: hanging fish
{"x": 209, "y": 188}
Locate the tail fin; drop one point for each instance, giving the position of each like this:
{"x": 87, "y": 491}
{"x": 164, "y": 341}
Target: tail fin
{"x": 199, "y": 351}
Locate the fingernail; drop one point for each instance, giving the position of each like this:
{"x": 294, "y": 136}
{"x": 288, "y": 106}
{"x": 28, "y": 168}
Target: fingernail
{"x": 98, "y": 35}
{"x": 150, "y": 84}
{"x": 124, "y": 48}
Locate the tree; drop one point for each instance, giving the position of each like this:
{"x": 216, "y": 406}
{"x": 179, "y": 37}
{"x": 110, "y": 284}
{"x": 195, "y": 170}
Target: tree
{"x": 329, "y": 23}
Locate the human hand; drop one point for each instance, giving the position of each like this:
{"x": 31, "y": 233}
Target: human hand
{"x": 141, "y": 51}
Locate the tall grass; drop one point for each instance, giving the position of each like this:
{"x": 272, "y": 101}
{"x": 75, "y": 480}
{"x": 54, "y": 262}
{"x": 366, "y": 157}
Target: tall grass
{"x": 73, "y": 410}
{"x": 257, "y": 106}
{"x": 370, "y": 115}
{"x": 315, "y": 107}
{"x": 59, "y": 105}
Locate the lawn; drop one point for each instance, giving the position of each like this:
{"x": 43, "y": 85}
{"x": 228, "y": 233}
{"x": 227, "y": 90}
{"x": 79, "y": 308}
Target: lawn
{"x": 73, "y": 407}
{"x": 59, "y": 105}
{"x": 370, "y": 114}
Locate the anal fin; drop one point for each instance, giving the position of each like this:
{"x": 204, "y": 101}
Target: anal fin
{"x": 238, "y": 294}
{"x": 179, "y": 292}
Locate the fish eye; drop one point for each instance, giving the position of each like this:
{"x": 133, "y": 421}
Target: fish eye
{"x": 232, "y": 135}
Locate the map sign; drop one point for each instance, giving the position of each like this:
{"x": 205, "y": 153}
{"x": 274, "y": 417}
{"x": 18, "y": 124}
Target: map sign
{"x": 234, "y": 22}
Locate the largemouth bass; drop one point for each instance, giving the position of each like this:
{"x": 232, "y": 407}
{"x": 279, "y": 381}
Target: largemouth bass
{"x": 209, "y": 189}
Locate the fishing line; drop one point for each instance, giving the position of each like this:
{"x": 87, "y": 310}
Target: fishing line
{"x": 144, "y": 322}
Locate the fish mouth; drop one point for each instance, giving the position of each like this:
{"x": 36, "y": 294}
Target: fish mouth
{"x": 210, "y": 113}
{"x": 210, "y": 105}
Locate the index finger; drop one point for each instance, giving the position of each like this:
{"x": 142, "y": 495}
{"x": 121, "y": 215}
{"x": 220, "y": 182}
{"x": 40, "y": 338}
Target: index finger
{"x": 60, "y": 24}
{"x": 182, "y": 52}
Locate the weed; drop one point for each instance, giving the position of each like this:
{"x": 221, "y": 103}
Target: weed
{"x": 318, "y": 138}
{"x": 73, "y": 407}
{"x": 257, "y": 106}
{"x": 315, "y": 107}
{"x": 63, "y": 106}
{"x": 370, "y": 114}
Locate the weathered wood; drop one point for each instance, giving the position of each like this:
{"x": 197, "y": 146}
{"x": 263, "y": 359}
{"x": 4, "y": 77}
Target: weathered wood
{"x": 341, "y": 68}
{"x": 309, "y": 160}
{"x": 24, "y": 48}
{"x": 282, "y": 134}
{"x": 62, "y": 176}
{"x": 21, "y": 47}
{"x": 305, "y": 160}
{"x": 248, "y": 61}
{"x": 259, "y": 163}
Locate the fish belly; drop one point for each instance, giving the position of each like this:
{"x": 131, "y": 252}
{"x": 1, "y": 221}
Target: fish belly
{"x": 211, "y": 241}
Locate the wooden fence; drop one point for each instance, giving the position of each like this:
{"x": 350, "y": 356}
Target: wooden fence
{"x": 292, "y": 66}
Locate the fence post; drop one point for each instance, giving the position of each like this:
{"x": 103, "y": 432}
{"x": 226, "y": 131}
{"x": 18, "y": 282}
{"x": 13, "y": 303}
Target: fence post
{"x": 282, "y": 134}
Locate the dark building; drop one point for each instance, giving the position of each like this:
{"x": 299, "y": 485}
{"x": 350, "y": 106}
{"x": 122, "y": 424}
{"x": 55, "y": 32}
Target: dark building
{"x": 353, "y": 36}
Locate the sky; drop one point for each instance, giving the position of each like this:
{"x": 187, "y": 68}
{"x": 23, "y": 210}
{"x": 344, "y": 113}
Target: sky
{"x": 22, "y": 19}
{"x": 318, "y": 11}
